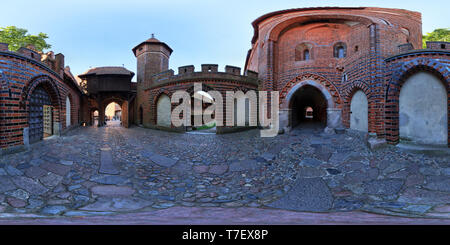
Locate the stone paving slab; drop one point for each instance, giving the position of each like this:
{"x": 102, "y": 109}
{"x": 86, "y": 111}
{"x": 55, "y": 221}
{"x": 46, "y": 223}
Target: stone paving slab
{"x": 162, "y": 160}
{"x": 307, "y": 194}
{"x": 106, "y": 162}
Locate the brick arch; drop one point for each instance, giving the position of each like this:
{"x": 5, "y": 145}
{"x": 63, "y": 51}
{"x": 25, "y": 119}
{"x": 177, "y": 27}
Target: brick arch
{"x": 48, "y": 84}
{"x": 116, "y": 99}
{"x": 156, "y": 97}
{"x": 323, "y": 84}
{"x": 121, "y": 101}
{"x": 394, "y": 86}
{"x": 284, "y": 24}
{"x": 348, "y": 95}
{"x": 50, "y": 87}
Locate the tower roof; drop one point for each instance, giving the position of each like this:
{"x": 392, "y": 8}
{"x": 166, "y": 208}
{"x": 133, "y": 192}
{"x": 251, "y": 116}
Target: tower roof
{"x": 153, "y": 41}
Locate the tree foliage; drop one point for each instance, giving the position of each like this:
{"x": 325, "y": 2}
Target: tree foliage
{"x": 18, "y": 37}
{"x": 441, "y": 34}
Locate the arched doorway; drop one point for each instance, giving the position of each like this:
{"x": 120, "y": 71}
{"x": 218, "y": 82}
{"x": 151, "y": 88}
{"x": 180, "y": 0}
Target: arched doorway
{"x": 68, "y": 112}
{"x": 41, "y": 112}
{"x": 163, "y": 111}
{"x": 359, "y": 112}
{"x": 423, "y": 110}
{"x": 113, "y": 114}
{"x": 305, "y": 97}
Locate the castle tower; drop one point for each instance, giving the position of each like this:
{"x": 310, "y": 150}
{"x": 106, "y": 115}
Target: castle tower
{"x": 152, "y": 58}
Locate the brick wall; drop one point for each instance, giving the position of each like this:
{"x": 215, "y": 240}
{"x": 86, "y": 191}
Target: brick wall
{"x": 369, "y": 34}
{"x": 21, "y": 73}
{"x": 399, "y": 69}
{"x": 210, "y": 80}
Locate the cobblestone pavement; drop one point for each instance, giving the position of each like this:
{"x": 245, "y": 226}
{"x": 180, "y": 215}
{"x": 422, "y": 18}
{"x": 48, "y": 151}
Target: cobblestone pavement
{"x": 110, "y": 170}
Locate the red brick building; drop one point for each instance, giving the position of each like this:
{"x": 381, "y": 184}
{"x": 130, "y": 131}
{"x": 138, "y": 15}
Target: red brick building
{"x": 358, "y": 68}
{"x": 322, "y": 57}
{"x": 39, "y": 97}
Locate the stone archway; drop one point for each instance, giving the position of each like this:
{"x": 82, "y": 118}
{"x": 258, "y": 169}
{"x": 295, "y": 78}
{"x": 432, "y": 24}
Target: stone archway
{"x": 296, "y": 97}
{"x": 359, "y": 112}
{"x": 41, "y": 99}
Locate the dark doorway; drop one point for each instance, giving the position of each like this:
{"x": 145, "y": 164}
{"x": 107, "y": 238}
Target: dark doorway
{"x": 40, "y": 115}
{"x": 308, "y": 105}
{"x": 141, "y": 116}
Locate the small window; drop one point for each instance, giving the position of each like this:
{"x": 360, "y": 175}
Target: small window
{"x": 339, "y": 50}
{"x": 442, "y": 46}
{"x": 303, "y": 52}
{"x": 356, "y": 48}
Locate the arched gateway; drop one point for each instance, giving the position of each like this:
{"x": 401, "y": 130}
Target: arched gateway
{"x": 301, "y": 94}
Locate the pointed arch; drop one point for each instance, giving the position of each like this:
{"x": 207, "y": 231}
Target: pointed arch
{"x": 398, "y": 79}
{"x": 324, "y": 85}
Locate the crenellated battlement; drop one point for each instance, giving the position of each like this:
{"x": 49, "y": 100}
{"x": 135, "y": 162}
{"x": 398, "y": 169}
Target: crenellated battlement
{"x": 209, "y": 68}
{"x": 208, "y": 72}
{"x": 53, "y": 62}
{"x": 438, "y": 45}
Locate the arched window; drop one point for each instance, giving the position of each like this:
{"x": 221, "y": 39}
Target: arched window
{"x": 303, "y": 52}
{"x": 340, "y": 50}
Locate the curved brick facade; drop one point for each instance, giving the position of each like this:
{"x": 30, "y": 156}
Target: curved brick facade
{"x": 380, "y": 47}
{"x": 20, "y": 74}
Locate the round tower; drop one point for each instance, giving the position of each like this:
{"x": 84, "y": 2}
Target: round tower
{"x": 152, "y": 58}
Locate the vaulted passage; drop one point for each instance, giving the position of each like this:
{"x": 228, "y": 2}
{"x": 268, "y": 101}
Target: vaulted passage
{"x": 113, "y": 114}
{"x": 308, "y": 105}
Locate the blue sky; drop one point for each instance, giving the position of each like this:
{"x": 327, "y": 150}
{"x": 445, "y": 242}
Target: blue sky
{"x": 103, "y": 32}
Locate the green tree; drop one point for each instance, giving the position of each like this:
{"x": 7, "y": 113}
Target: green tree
{"x": 441, "y": 34}
{"x": 18, "y": 37}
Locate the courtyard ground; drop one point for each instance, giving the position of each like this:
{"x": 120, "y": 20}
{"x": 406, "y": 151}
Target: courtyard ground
{"x": 142, "y": 176}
